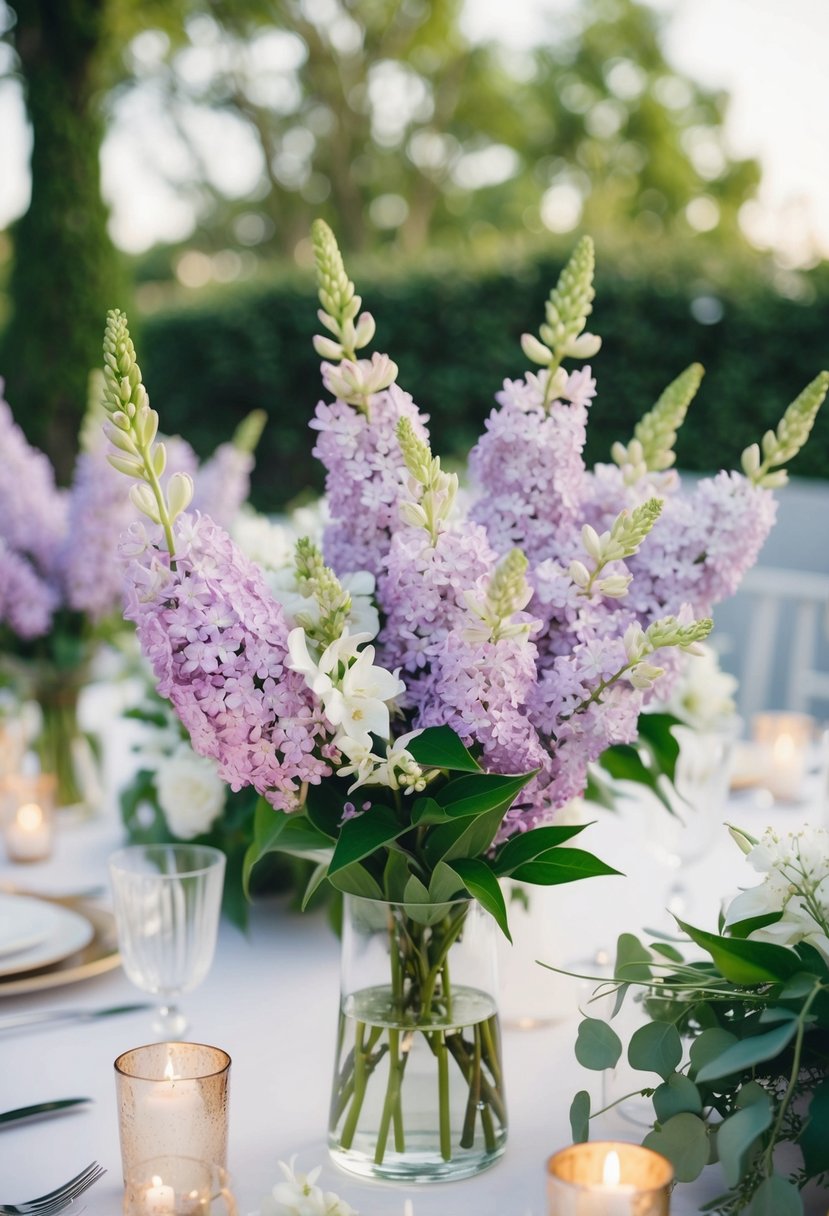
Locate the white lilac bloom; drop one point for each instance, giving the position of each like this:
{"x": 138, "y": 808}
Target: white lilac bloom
{"x": 191, "y": 793}
{"x": 796, "y": 883}
{"x": 298, "y": 1195}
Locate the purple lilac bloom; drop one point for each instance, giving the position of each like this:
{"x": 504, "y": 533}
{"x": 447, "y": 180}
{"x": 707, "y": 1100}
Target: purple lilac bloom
{"x": 364, "y": 472}
{"x": 99, "y": 511}
{"x": 223, "y": 484}
{"x": 27, "y": 601}
{"x": 217, "y": 641}
{"x": 421, "y": 590}
{"x": 528, "y": 467}
{"x": 32, "y": 508}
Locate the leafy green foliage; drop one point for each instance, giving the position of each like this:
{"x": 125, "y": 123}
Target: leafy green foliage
{"x": 739, "y": 1038}
{"x": 580, "y": 1116}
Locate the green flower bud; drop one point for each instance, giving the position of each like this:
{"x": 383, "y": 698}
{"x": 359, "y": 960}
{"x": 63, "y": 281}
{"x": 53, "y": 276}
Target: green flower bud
{"x": 655, "y": 434}
{"x": 179, "y": 494}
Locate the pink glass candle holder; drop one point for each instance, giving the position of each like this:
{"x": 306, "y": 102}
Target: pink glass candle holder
{"x": 608, "y": 1178}
{"x": 172, "y": 1101}
{"x": 178, "y": 1186}
{"x": 28, "y": 804}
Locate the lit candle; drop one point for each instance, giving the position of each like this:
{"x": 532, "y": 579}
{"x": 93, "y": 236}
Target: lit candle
{"x": 608, "y": 1179}
{"x": 784, "y": 741}
{"x": 172, "y": 1107}
{"x": 29, "y": 833}
{"x": 158, "y": 1199}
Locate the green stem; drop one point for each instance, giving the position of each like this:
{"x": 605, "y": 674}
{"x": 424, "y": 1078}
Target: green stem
{"x": 360, "y": 1079}
{"x": 391, "y": 1105}
{"x": 443, "y": 1098}
{"x": 768, "y": 1156}
{"x": 470, "y": 1115}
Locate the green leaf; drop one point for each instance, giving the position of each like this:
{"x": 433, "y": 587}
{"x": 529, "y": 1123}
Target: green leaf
{"x": 675, "y": 1095}
{"x": 324, "y": 806}
{"x": 746, "y": 962}
{"x": 440, "y": 747}
{"x": 745, "y": 1053}
{"x": 743, "y": 928}
{"x": 657, "y": 731}
{"x": 426, "y": 810}
{"x": 655, "y": 1047}
{"x": 444, "y": 884}
{"x": 624, "y": 763}
{"x": 632, "y": 959}
{"x": 317, "y": 878}
{"x": 737, "y": 1134}
{"x": 526, "y": 846}
{"x": 798, "y": 987}
{"x": 561, "y": 865}
{"x": 466, "y": 838}
{"x": 709, "y": 1046}
{"x": 814, "y": 1139}
{"x": 482, "y": 884}
{"x": 364, "y": 835}
{"x": 598, "y": 1046}
{"x": 356, "y": 880}
{"x": 775, "y": 1196}
{"x": 684, "y": 1141}
{"x": 396, "y": 875}
{"x": 279, "y": 832}
{"x": 480, "y": 793}
{"x": 580, "y": 1117}
{"x": 668, "y": 951}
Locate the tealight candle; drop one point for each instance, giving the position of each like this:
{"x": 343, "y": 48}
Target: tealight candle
{"x": 28, "y": 817}
{"x": 172, "y": 1100}
{"x": 783, "y": 740}
{"x": 178, "y": 1186}
{"x": 608, "y": 1178}
{"x": 158, "y": 1199}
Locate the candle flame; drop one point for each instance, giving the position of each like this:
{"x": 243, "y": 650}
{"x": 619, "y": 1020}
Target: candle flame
{"x": 29, "y": 817}
{"x": 157, "y": 1181}
{"x": 612, "y": 1171}
{"x": 784, "y": 748}
{"x": 170, "y": 1073}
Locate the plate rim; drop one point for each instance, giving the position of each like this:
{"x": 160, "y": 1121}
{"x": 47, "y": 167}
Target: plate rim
{"x": 102, "y": 949}
{"x": 64, "y": 919}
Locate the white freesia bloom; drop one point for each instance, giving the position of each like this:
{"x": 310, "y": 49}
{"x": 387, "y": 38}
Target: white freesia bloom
{"x": 796, "y": 883}
{"x": 191, "y": 793}
{"x": 299, "y": 1195}
{"x": 398, "y": 769}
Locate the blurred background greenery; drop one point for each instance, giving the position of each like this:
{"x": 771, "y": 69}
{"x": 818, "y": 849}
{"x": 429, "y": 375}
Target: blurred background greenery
{"x": 457, "y": 173}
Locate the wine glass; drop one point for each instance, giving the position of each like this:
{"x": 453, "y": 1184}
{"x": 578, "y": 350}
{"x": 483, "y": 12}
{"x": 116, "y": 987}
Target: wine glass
{"x": 167, "y": 901}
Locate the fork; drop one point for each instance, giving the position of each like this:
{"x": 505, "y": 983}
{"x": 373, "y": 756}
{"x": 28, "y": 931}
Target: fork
{"x": 58, "y": 1199}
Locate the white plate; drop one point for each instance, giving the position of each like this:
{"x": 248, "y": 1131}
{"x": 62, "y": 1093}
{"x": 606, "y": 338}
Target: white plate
{"x": 48, "y": 933}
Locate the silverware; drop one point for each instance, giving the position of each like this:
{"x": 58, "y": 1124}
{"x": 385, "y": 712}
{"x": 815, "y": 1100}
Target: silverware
{"x": 41, "y": 1110}
{"x": 56, "y": 1201}
{"x": 19, "y": 1021}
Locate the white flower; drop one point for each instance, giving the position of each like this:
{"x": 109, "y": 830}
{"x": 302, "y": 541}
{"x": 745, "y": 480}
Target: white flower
{"x": 190, "y": 792}
{"x": 796, "y": 883}
{"x": 703, "y": 695}
{"x": 299, "y": 1195}
{"x": 304, "y": 609}
{"x": 399, "y": 769}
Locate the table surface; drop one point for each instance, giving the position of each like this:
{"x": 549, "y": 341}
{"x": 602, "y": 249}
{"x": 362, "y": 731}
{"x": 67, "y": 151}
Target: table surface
{"x": 271, "y": 1001}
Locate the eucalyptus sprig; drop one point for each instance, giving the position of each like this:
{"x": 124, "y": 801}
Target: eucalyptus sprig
{"x": 652, "y": 448}
{"x": 780, "y": 446}
{"x": 132, "y": 430}
{"x": 562, "y": 333}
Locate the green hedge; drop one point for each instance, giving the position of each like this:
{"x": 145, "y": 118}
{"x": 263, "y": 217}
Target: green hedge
{"x": 455, "y": 338}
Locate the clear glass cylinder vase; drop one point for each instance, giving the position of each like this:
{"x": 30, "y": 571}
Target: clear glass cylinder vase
{"x": 64, "y": 749}
{"x": 418, "y": 1091}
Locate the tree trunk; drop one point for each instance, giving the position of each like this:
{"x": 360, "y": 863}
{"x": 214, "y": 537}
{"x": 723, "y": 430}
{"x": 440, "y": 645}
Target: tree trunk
{"x": 65, "y": 272}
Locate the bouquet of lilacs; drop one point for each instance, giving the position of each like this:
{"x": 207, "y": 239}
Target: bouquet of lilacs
{"x": 739, "y": 1037}
{"x": 417, "y": 697}
{"x": 61, "y": 591}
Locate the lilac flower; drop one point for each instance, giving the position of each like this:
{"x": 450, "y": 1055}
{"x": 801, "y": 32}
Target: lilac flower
{"x": 223, "y": 484}
{"x": 32, "y": 508}
{"x": 99, "y": 511}
{"x": 364, "y": 469}
{"x": 217, "y": 642}
{"x": 27, "y": 601}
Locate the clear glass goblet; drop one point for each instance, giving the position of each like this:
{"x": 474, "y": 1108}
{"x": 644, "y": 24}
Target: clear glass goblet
{"x": 167, "y": 901}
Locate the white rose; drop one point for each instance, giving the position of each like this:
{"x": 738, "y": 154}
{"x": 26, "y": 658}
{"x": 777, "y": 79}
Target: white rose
{"x": 190, "y": 792}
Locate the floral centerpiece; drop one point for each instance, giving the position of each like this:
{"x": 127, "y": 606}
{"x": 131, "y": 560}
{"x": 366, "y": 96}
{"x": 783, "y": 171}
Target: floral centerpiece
{"x": 421, "y": 694}
{"x": 60, "y": 585}
{"x": 739, "y": 1036}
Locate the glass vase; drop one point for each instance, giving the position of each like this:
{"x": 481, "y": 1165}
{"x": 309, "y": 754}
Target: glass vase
{"x": 418, "y": 1091}
{"x": 63, "y": 748}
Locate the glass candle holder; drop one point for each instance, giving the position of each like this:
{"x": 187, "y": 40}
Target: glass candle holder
{"x": 178, "y": 1186}
{"x": 28, "y": 804}
{"x": 608, "y": 1178}
{"x": 172, "y": 1101}
{"x": 783, "y": 741}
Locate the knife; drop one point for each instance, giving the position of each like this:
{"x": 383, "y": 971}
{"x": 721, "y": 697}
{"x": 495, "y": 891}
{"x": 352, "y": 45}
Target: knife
{"x": 43, "y": 1110}
{"x": 16, "y": 1021}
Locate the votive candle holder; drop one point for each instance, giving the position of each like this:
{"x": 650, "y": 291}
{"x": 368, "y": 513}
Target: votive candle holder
{"x": 608, "y": 1178}
{"x": 173, "y": 1101}
{"x": 28, "y": 805}
{"x": 783, "y": 741}
{"x": 178, "y": 1186}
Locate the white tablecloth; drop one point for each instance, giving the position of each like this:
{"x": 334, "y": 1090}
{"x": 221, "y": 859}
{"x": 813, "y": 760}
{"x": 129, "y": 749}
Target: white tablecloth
{"x": 271, "y": 1001}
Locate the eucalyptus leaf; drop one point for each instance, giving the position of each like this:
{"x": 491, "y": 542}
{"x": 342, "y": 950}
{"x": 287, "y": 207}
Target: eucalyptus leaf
{"x": 675, "y": 1095}
{"x": 632, "y": 959}
{"x": 775, "y": 1196}
{"x": 580, "y": 1117}
{"x": 655, "y": 1047}
{"x": 598, "y": 1046}
{"x": 684, "y": 1141}
{"x": 737, "y": 1134}
{"x": 709, "y": 1046}
{"x": 745, "y": 1053}
{"x": 440, "y": 747}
